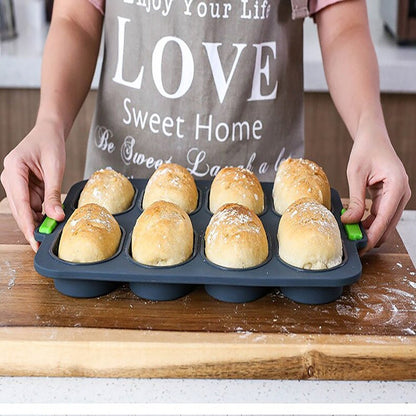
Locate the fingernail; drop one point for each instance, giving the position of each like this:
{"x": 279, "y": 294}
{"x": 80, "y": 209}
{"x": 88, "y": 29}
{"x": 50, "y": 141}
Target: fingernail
{"x": 59, "y": 210}
{"x": 35, "y": 245}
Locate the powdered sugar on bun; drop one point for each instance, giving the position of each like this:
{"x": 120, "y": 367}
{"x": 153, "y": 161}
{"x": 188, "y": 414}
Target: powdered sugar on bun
{"x": 91, "y": 234}
{"x": 108, "y": 188}
{"x": 235, "y": 238}
{"x": 309, "y": 236}
{"x": 162, "y": 235}
{"x": 172, "y": 183}
{"x": 300, "y": 178}
{"x": 236, "y": 185}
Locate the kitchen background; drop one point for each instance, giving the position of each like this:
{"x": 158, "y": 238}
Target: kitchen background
{"x": 393, "y": 28}
{"x": 326, "y": 141}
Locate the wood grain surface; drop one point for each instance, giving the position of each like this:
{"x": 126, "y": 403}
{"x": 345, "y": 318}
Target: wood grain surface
{"x": 368, "y": 333}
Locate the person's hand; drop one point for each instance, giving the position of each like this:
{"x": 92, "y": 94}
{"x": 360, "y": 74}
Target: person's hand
{"x": 32, "y": 175}
{"x": 375, "y": 167}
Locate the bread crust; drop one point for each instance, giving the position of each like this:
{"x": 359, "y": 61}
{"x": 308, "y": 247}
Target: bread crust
{"x": 236, "y": 185}
{"x": 172, "y": 183}
{"x": 235, "y": 238}
{"x": 163, "y": 235}
{"x": 309, "y": 236}
{"x": 300, "y": 178}
{"x": 108, "y": 188}
{"x": 91, "y": 234}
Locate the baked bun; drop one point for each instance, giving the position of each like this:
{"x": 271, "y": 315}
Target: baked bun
{"x": 236, "y": 185}
{"x": 90, "y": 234}
{"x": 163, "y": 235}
{"x": 108, "y": 188}
{"x": 173, "y": 183}
{"x": 300, "y": 178}
{"x": 309, "y": 236}
{"x": 235, "y": 238}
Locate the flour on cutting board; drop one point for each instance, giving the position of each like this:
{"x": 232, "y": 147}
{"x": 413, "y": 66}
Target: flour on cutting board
{"x": 390, "y": 302}
{"x": 9, "y": 273}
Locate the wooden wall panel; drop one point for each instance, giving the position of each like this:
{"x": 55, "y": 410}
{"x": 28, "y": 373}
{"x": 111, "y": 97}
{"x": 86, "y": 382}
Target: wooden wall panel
{"x": 18, "y": 110}
{"x": 327, "y": 140}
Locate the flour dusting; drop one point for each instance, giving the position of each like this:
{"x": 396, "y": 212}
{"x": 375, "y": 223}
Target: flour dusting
{"x": 385, "y": 305}
{"x": 9, "y": 273}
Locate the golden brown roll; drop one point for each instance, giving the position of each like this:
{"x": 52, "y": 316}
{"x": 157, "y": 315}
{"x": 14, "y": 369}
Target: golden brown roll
{"x": 236, "y": 185}
{"x": 300, "y": 178}
{"x": 309, "y": 236}
{"x": 90, "y": 234}
{"x": 235, "y": 238}
{"x": 173, "y": 183}
{"x": 163, "y": 235}
{"x": 108, "y": 188}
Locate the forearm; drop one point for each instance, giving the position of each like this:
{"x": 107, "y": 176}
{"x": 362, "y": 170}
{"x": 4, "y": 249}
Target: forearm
{"x": 67, "y": 69}
{"x": 350, "y": 64}
{"x": 374, "y": 168}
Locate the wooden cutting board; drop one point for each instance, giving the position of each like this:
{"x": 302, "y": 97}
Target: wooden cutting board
{"x": 369, "y": 333}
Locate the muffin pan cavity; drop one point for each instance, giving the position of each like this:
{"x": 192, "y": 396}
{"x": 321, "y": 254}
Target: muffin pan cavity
{"x": 172, "y": 282}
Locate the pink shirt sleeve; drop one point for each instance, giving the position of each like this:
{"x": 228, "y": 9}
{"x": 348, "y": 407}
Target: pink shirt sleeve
{"x": 99, "y": 4}
{"x": 316, "y": 5}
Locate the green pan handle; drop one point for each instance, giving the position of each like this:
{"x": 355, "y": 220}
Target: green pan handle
{"x": 353, "y": 230}
{"x": 48, "y": 225}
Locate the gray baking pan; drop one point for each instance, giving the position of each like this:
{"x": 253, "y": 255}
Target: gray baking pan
{"x": 168, "y": 283}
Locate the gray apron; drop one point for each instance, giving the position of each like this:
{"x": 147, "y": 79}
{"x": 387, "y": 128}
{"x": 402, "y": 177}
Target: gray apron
{"x": 204, "y": 84}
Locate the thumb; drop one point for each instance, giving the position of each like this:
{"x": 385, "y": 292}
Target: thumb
{"x": 52, "y": 202}
{"x": 356, "y": 206}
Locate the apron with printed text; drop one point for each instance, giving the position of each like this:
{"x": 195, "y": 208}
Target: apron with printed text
{"x": 204, "y": 84}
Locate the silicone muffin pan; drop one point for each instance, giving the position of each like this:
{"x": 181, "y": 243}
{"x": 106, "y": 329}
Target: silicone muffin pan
{"x": 171, "y": 282}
